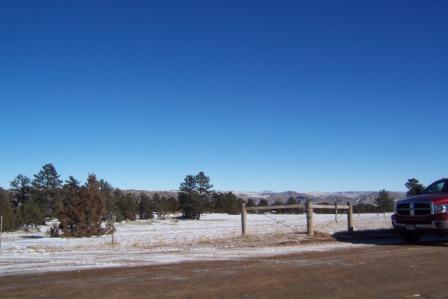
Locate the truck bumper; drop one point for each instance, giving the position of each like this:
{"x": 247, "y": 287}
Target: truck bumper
{"x": 440, "y": 226}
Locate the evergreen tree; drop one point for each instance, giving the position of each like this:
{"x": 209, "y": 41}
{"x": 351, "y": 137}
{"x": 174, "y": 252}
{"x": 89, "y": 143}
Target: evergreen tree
{"x": 145, "y": 206}
{"x": 126, "y": 206}
{"x": 67, "y": 211}
{"x": 203, "y": 183}
{"x": 161, "y": 205}
{"x": 29, "y": 216}
{"x": 250, "y": 203}
{"x": 384, "y": 202}
{"x": 47, "y": 187}
{"x": 414, "y": 187}
{"x": 194, "y": 195}
{"x": 6, "y": 210}
{"x": 20, "y": 189}
{"x": 157, "y": 204}
{"x": 189, "y": 184}
{"x": 173, "y": 205}
{"x": 71, "y": 184}
{"x": 110, "y": 199}
{"x": 82, "y": 214}
{"x": 263, "y": 203}
{"x": 189, "y": 203}
{"x": 69, "y": 189}
{"x": 95, "y": 204}
{"x": 217, "y": 202}
{"x": 232, "y": 204}
{"x": 203, "y": 188}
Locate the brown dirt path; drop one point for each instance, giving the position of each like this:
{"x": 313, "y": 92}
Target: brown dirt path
{"x": 389, "y": 271}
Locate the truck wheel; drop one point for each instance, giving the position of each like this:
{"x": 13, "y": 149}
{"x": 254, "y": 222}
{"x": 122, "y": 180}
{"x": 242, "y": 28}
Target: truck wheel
{"x": 408, "y": 237}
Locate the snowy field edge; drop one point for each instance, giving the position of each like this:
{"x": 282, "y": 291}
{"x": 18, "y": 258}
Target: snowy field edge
{"x": 154, "y": 242}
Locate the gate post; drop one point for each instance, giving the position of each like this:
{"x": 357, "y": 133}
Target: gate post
{"x": 350, "y": 217}
{"x": 336, "y": 211}
{"x": 243, "y": 219}
{"x": 309, "y": 218}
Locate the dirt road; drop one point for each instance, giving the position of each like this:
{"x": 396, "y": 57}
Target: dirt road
{"x": 387, "y": 271}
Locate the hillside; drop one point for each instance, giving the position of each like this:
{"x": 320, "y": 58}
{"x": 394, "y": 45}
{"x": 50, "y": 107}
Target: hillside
{"x": 318, "y": 197}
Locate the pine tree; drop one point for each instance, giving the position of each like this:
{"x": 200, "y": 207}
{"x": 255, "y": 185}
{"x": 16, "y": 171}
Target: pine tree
{"x": 232, "y": 204}
{"x": 188, "y": 197}
{"x": 126, "y": 205}
{"x": 203, "y": 183}
{"x": 145, "y": 206}
{"x": 83, "y": 212}
{"x": 173, "y": 205}
{"x": 189, "y": 184}
{"x": 263, "y": 202}
{"x": 189, "y": 203}
{"x": 203, "y": 188}
{"x": 250, "y": 203}
{"x": 194, "y": 195}
{"x": 20, "y": 189}
{"x": 384, "y": 202}
{"x": 6, "y": 210}
{"x": 109, "y": 198}
{"x": 96, "y": 207}
{"x": 414, "y": 187}
{"x": 71, "y": 184}
{"x": 30, "y": 216}
{"x": 47, "y": 187}
{"x": 159, "y": 205}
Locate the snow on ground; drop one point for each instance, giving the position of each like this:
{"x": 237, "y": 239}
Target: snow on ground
{"x": 214, "y": 237}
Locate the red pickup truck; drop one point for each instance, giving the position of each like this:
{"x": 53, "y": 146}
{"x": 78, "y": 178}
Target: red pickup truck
{"x": 422, "y": 214}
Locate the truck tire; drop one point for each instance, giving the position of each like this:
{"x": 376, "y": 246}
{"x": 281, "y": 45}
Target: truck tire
{"x": 408, "y": 237}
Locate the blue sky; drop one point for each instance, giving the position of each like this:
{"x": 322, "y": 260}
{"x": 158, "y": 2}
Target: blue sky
{"x": 261, "y": 95}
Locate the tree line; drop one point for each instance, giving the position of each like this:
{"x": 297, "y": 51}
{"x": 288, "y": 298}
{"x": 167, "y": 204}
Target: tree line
{"x": 83, "y": 209}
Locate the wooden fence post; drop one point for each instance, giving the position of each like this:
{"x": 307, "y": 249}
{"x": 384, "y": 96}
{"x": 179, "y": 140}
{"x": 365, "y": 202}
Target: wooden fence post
{"x": 350, "y": 217}
{"x": 1, "y": 230}
{"x": 336, "y": 211}
{"x": 113, "y": 230}
{"x": 309, "y": 218}
{"x": 243, "y": 219}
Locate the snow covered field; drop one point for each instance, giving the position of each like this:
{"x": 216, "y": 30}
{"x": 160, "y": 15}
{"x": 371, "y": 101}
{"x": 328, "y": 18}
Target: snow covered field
{"x": 215, "y": 236}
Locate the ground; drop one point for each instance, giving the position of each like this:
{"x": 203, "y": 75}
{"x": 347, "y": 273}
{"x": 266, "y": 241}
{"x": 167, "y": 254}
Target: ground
{"x": 387, "y": 270}
{"x": 215, "y": 236}
{"x": 210, "y": 259}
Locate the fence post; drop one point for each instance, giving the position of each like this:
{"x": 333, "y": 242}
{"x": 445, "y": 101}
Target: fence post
{"x": 350, "y": 217}
{"x": 336, "y": 211}
{"x": 243, "y": 219}
{"x": 113, "y": 230}
{"x": 1, "y": 230}
{"x": 309, "y": 218}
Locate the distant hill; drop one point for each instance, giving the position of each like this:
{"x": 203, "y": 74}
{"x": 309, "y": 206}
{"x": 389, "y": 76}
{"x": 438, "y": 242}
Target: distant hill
{"x": 318, "y": 197}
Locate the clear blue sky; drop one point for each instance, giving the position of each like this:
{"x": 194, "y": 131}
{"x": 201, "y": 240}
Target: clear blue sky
{"x": 261, "y": 95}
